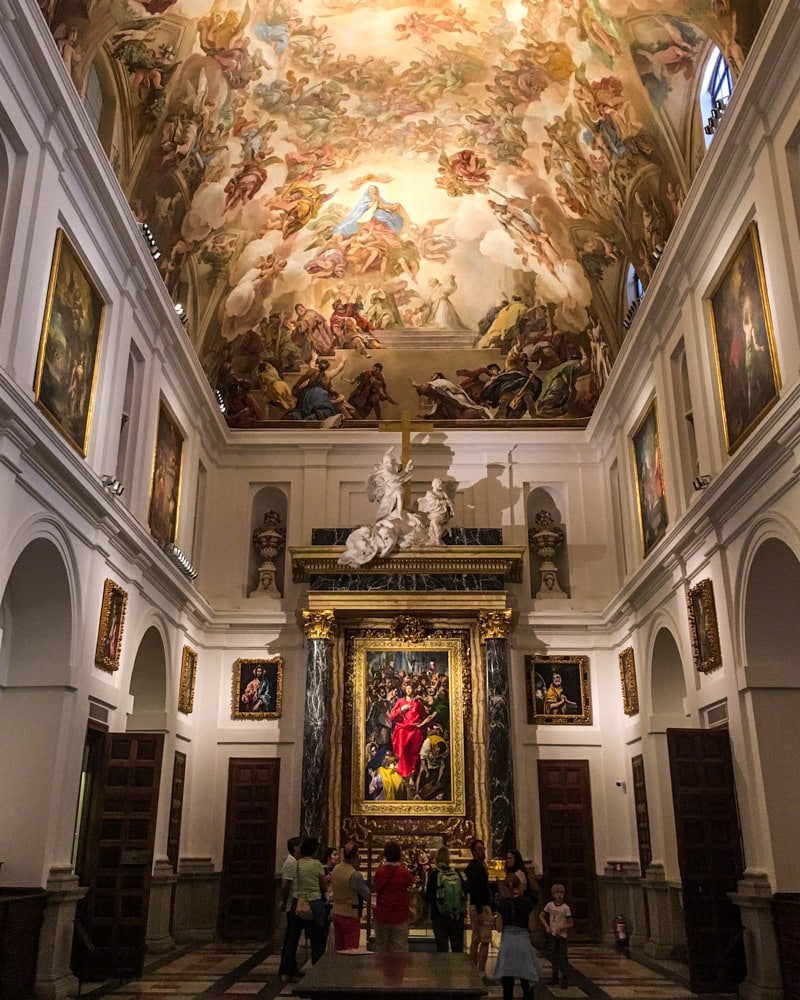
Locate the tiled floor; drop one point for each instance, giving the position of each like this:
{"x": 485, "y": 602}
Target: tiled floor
{"x": 247, "y": 971}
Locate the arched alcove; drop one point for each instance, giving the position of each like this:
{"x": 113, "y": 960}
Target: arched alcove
{"x": 36, "y": 621}
{"x": 267, "y": 500}
{"x": 148, "y": 685}
{"x": 539, "y": 499}
{"x": 771, "y": 641}
{"x": 667, "y": 680}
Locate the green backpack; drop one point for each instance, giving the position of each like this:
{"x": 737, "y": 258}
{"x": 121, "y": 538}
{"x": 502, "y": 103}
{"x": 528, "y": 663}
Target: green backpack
{"x": 450, "y": 898}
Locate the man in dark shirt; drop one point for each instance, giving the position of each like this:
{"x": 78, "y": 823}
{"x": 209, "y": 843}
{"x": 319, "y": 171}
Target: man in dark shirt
{"x": 480, "y": 900}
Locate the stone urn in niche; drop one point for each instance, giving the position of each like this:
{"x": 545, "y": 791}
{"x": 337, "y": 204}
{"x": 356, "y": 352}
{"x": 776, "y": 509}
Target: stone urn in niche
{"x": 546, "y": 538}
{"x": 269, "y": 540}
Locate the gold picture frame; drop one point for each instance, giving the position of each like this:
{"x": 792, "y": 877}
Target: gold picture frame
{"x": 257, "y": 689}
{"x": 557, "y": 690}
{"x": 187, "y": 681}
{"x": 165, "y": 486}
{"x": 703, "y": 627}
{"x": 421, "y": 728}
{"x": 66, "y": 368}
{"x": 112, "y": 624}
{"x": 651, "y": 495}
{"x": 627, "y": 676}
{"x": 744, "y": 346}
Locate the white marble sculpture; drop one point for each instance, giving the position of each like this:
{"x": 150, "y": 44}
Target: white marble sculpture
{"x": 395, "y": 527}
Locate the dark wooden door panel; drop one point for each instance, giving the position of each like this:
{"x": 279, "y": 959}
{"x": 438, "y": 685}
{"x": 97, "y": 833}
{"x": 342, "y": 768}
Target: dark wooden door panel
{"x": 113, "y": 915}
{"x": 642, "y": 814}
{"x": 247, "y": 898}
{"x": 565, "y": 802}
{"x": 709, "y": 855}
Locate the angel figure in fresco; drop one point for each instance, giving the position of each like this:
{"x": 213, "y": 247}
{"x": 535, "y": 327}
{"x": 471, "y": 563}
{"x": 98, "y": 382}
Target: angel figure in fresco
{"x": 385, "y": 485}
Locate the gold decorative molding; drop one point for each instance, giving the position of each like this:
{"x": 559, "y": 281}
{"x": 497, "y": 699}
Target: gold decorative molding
{"x": 319, "y": 624}
{"x": 494, "y": 624}
{"x": 481, "y": 560}
{"x": 408, "y": 628}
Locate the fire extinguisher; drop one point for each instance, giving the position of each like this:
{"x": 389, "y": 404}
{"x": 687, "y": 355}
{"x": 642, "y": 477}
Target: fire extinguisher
{"x": 620, "y": 931}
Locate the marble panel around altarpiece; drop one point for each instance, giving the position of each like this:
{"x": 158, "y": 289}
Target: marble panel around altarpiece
{"x": 455, "y": 536}
{"x": 501, "y": 767}
{"x": 406, "y": 582}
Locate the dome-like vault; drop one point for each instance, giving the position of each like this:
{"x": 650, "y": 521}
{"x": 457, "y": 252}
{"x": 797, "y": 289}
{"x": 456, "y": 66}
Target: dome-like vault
{"x": 432, "y": 188}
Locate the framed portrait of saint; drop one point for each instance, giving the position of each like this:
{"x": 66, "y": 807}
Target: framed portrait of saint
{"x": 112, "y": 623}
{"x": 165, "y": 487}
{"x": 627, "y": 676}
{"x": 557, "y": 690}
{"x": 651, "y": 497}
{"x": 66, "y": 369}
{"x": 703, "y": 627}
{"x": 257, "y": 689}
{"x": 741, "y": 325}
{"x": 187, "y": 680}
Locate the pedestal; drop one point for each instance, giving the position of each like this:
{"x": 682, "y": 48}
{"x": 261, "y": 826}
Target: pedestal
{"x": 54, "y": 978}
{"x": 196, "y": 912}
{"x": 754, "y": 899}
{"x": 162, "y": 887}
{"x": 667, "y": 932}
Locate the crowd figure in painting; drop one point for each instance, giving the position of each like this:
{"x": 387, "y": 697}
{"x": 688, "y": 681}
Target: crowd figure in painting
{"x": 327, "y": 900}
{"x": 287, "y": 367}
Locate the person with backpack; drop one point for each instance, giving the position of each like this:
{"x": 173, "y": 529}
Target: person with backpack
{"x": 446, "y": 895}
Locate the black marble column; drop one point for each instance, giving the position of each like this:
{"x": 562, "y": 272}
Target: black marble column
{"x": 319, "y": 628}
{"x": 494, "y": 626}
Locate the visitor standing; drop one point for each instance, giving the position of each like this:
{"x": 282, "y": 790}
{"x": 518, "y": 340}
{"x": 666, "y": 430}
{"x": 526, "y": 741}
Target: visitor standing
{"x": 349, "y": 892}
{"x": 446, "y": 896}
{"x": 516, "y": 959}
{"x": 556, "y": 918}
{"x": 480, "y": 908}
{"x": 309, "y": 885}
{"x": 392, "y": 910}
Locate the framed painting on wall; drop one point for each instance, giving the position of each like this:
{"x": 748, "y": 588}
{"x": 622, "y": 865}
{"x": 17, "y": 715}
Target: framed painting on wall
{"x": 66, "y": 368}
{"x": 741, "y": 326}
{"x": 557, "y": 690}
{"x": 187, "y": 681}
{"x": 651, "y": 498}
{"x": 627, "y": 676}
{"x": 112, "y": 623}
{"x": 165, "y": 487}
{"x": 703, "y": 627}
{"x": 408, "y": 732}
{"x": 257, "y": 689}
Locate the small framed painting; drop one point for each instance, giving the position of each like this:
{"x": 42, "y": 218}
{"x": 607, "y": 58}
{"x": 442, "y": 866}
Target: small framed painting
{"x": 188, "y": 677}
{"x": 257, "y": 688}
{"x": 703, "y": 627}
{"x": 66, "y": 369}
{"x": 165, "y": 487}
{"x": 112, "y": 623}
{"x": 558, "y": 690}
{"x": 651, "y": 496}
{"x": 627, "y": 676}
{"x": 741, "y": 326}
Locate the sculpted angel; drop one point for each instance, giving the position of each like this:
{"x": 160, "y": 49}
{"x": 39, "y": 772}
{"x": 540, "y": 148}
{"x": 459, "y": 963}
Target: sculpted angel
{"x": 385, "y": 485}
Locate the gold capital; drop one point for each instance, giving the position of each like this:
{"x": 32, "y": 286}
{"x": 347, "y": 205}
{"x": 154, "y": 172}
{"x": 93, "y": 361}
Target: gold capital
{"x": 318, "y": 624}
{"x": 494, "y": 624}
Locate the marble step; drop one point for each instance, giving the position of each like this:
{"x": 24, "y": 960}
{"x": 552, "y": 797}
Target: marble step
{"x": 427, "y": 340}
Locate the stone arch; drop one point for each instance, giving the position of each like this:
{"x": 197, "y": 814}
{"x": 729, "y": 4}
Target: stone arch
{"x": 667, "y": 677}
{"x": 770, "y": 638}
{"x": 36, "y": 618}
{"x": 148, "y": 684}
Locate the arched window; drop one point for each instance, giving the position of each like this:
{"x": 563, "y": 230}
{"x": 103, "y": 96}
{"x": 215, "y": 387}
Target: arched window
{"x": 715, "y": 92}
{"x": 634, "y": 289}
{"x": 93, "y": 101}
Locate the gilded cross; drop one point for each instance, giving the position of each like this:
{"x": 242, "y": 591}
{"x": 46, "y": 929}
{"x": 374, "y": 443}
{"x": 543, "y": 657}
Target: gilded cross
{"x": 405, "y": 425}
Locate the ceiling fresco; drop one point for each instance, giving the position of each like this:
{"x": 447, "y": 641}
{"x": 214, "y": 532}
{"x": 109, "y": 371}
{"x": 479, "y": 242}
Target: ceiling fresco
{"x": 374, "y": 207}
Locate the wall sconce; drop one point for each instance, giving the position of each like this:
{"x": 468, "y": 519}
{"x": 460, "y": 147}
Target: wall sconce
{"x": 150, "y": 240}
{"x": 181, "y": 312}
{"x": 180, "y": 560}
{"x": 701, "y": 482}
{"x": 112, "y": 485}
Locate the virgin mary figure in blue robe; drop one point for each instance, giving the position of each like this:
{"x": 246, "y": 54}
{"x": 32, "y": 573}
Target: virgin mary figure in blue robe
{"x": 392, "y": 216}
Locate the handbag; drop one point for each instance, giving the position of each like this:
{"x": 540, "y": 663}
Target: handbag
{"x": 303, "y": 909}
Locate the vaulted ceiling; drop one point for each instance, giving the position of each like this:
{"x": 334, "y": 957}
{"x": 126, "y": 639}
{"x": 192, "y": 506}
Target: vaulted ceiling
{"x": 422, "y": 164}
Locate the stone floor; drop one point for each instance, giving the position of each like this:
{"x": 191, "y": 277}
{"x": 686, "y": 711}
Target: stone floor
{"x": 248, "y": 970}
